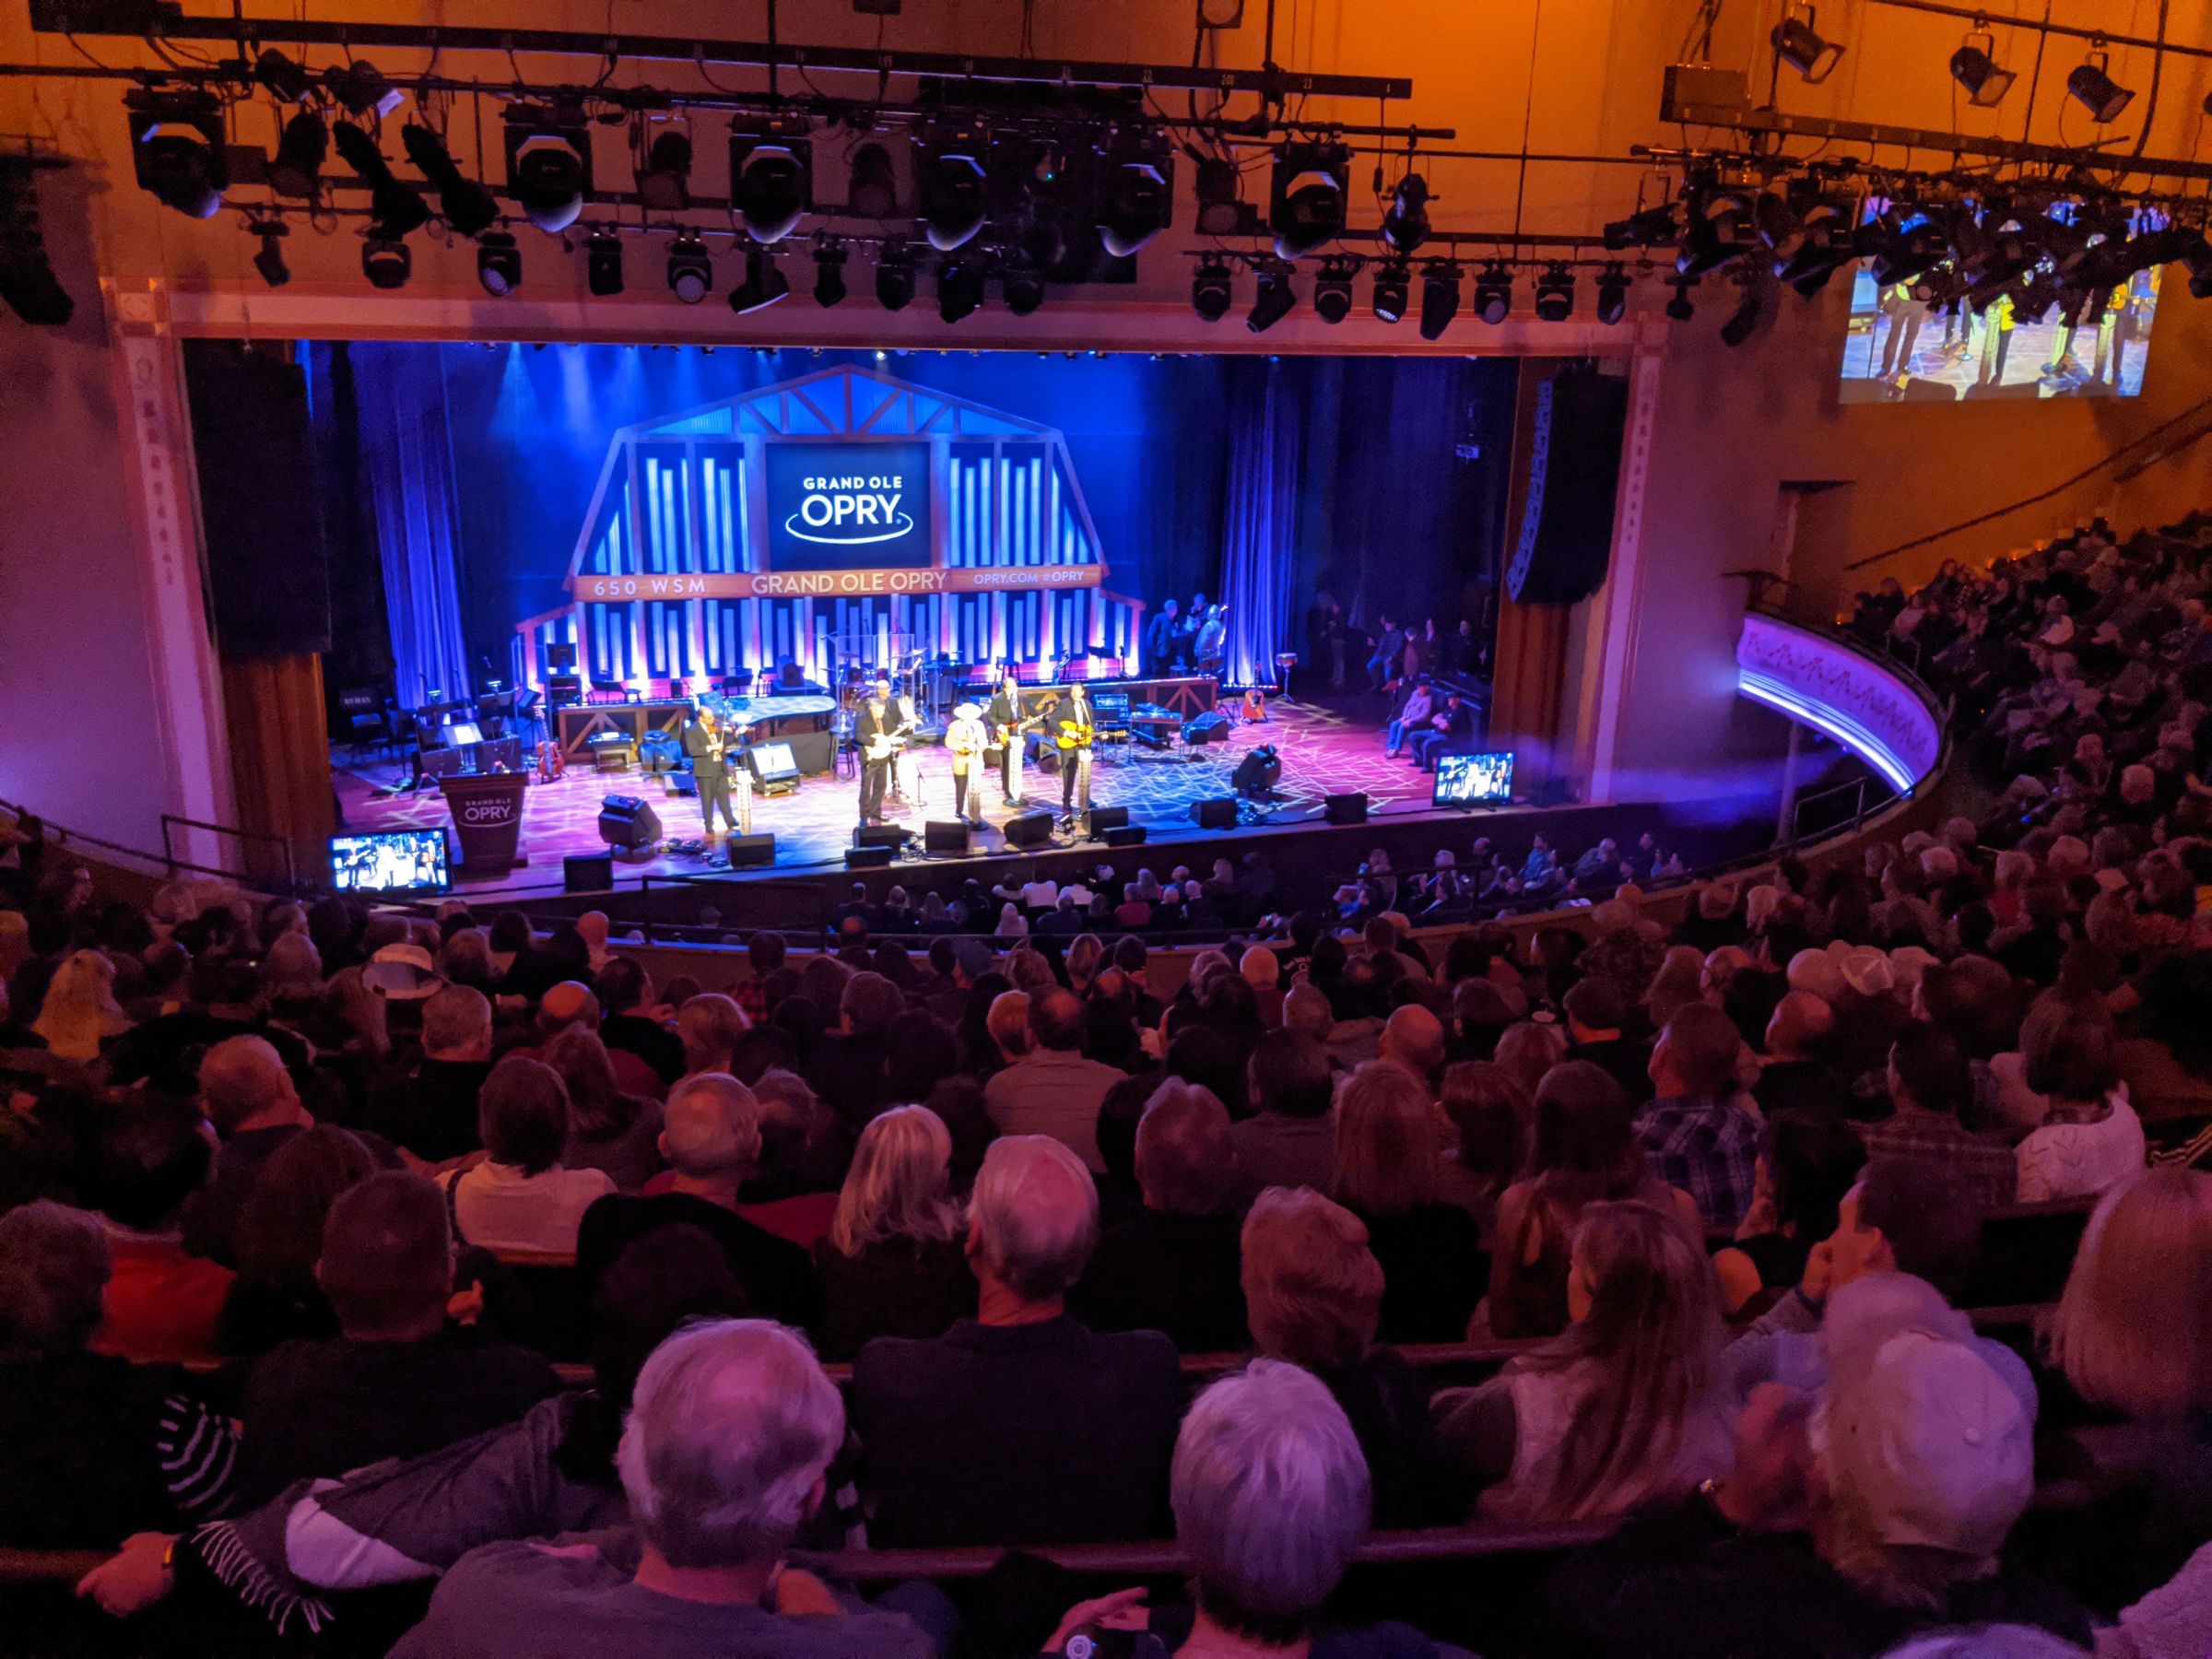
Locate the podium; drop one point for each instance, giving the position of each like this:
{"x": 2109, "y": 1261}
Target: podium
{"x": 487, "y": 817}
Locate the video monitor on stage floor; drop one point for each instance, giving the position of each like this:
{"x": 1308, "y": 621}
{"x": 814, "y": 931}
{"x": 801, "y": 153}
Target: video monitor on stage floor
{"x": 397, "y": 861}
{"x": 1474, "y": 780}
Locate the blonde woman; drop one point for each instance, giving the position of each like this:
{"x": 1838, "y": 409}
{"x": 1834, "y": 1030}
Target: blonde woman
{"x": 1389, "y": 1159}
{"x": 1623, "y": 1408}
{"x": 895, "y": 1263}
{"x": 80, "y": 1011}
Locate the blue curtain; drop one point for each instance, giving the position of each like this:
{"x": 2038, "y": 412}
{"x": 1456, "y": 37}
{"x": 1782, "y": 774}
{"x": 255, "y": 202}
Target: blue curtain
{"x": 1259, "y": 530}
{"x": 408, "y": 469}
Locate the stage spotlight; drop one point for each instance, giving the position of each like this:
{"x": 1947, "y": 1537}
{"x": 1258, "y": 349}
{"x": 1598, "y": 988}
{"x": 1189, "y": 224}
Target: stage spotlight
{"x": 286, "y": 81}
{"x": 1494, "y": 293}
{"x": 1440, "y": 297}
{"x": 468, "y": 208}
{"x": 1720, "y": 228}
{"x": 960, "y": 289}
{"x": 1799, "y": 45}
{"x": 603, "y": 263}
{"x": 2198, "y": 260}
{"x": 1648, "y": 228}
{"x": 1976, "y": 70}
{"x": 1405, "y": 221}
{"x": 2096, "y": 91}
{"x": 829, "y": 271}
{"x": 1333, "y": 290}
{"x": 296, "y": 170}
{"x": 764, "y": 284}
{"x": 1555, "y": 293}
{"x": 548, "y": 164}
{"x": 664, "y": 173}
{"x": 362, "y": 90}
{"x": 386, "y": 261}
{"x": 1136, "y": 192}
{"x": 1221, "y": 212}
{"x": 1393, "y": 286}
{"x": 28, "y": 285}
{"x": 1612, "y": 294}
{"x": 1274, "y": 300}
{"x": 1212, "y": 289}
{"x": 1679, "y": 309}
{"x": 771, "y": 176}
{"x": 1024, "y": 289}
{"x": 270, "y": 261}
{"x": 1307, "y": 207}
{"x": 1823, "y": 247}
{"x": 177, "y": 150}
{"x": 690, "y": 270}
{"x": 894, "y": 275}
{"x": 394, "y": 208}
{"x": 874, "y": 192}
{"x": 950, "y": 178}
{"x": 499, "y": 264}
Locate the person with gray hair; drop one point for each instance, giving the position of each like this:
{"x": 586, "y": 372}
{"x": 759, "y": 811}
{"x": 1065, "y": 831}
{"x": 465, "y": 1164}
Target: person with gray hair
{"x": 724, "y": 1455}
{"x": 1051, "y": 1089}
{"x": 432, "y": 1111}
{"x": 252, "y": 1102}
{"x": 1020, "y": 1426}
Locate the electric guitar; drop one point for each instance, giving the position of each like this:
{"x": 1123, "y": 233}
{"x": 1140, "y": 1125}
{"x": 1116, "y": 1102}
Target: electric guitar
{"x": 1004, "y": 734}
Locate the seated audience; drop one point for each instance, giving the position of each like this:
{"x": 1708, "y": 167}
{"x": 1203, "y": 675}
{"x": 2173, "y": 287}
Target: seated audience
{"x": 1597, "y": 1011}
{"x": 2090, "y": 1140}
{"x": 626, "y": 990}
{"x": 277, "y": 1297}
{"x": 1793, "y": 1075}
{"x": 1491, "y": 1114}
{"x": 608, "y": 1129}
{"x": 1696, "y": 1132}
{"x": 894, "y": 1262}
{"x": 253, "y": 1108}
{"x": 520, "y": 1197}
{"x": 1289, "y": 1140}
{"x": 1050, "y": 1089}
{"x": 159, "y": 1302}
{"x": 1930, "y": 1085}
{"x": 1808, "y": 1161}
{"x": 710, "y": 1027}
{"x": 431, "y": 1108}
{"x": 1019, "y": 1426}
{"x": 1389, "y": 1174}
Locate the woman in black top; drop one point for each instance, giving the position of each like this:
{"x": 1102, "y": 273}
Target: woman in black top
{"x": 1389, "y": 1173}
{"x": 894, "y": 1262}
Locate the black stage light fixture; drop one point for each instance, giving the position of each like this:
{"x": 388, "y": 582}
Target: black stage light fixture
{"x": 288, "y": 82}
{"x": 894, "y": 275}
{"x": 690, "y": 269}
{"x": 177, "y": 150}
{"x": 2095, "y": 91}
{"x": 1135, "y": 191}
{"x": 874, "y": 192}
{"x": 548, "y": 164}
{"x": 2198, "y": 260}
{"x": 1212, "y": 289}
{"x": 1333, "y": 290}
{"x": 1406, "y": 220}
{"x": 1745, "y": 320}
{"x": 1494, "y": 293}
{"x": 1394, "y": 288}
{"x": 27, "y": 284}
{"x": 951, "y": 176}
{"x": 764, "y": 284}
{"x": 499, "y": 264}
{"x": 394, "y": 208}
{"x": 1220, "y": 208}
{"x": 1612, "y": 294}
{"x": 1679, "y": 309}
{"x": 1646, "y": 228}
{"x": 830, "y": 258}
{"x": 1720, "y": 228}
{"x": 771, "y": 176}
{"x": 960, "y": 289}
{"x": 1440, "y": 297}
{"x": 1798, "y": 43}
{"x": 270, "y": 261}
{"x": 362, "y": 90}
{"x": 603, "y": 263}
{"x": 1306, "y": 207}
{"x": 665, "y": 172}
{"x": 386, "y": 261}
{"x": 468, "y": 208}
{"x": 1555, "y": 293}
{"x": 1024, "y": 289}
{"x": 296, "y": 170}
{"x": 1274, "y": 300}
{"x": 1975, "y": 68}
{"x": 1823, "y": 247}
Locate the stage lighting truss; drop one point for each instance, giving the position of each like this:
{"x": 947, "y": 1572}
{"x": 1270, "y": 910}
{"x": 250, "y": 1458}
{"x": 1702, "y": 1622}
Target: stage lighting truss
{"x": 499, "y": 264}
{"x": 1494, "y": 293}
{"x": 1213, "y": 289}
{"x": 1392, "y": 291}
{"x": 1656, "y": 226}
{"x": 466, "y": 205}
{"x": 548, "y": 164}
{"x": 386, "y": 261}
{"x": 690, "y": 269}
{"x": 951, "y": 183}
{"x": 1135, "y": 190}
{"x": 177, "y": 150}
{"x": 1274, "y": 299}
{"x": 1440, "y": 297}
{"x": 395, "y": 208}
{"x": 1221, "y": 210}
{"x": 603, "y": 271}
{"x": 1555, "y": 293}
{"x": 663, "y": 165}
{"x": 361, "y": 90}
{"x": 771, "y": 175}
{"x": 1720, "y": 228}
{"x": 1332, "y": 288}
{"x": 1306, "y": 205}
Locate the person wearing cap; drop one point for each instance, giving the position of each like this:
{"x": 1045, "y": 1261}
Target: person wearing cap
{"x": 1849, "y": 1522}
{"x": 876, "y": 729}
{"x": 964, "y": 741}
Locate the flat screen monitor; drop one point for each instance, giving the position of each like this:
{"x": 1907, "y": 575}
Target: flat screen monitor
{"x": 1474, "y": 780}
{"x": 396, "y": 861}
{"x": 464, "y": 731}
{"x": 774, "y": 761}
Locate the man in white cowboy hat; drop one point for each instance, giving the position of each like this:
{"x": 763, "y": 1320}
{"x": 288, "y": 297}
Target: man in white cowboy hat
{"x": 964, "y": 741}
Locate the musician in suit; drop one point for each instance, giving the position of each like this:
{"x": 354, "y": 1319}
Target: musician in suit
{"x": 1159, "y": 639}
{"x": 706, "y": 743}
{"x": 1005, "y": 717}
{"x": 876, "y": 729}
{"x": 1213, "y": 635}
{"x": 1071, "y": 727}
{"x": 964, "y": 741}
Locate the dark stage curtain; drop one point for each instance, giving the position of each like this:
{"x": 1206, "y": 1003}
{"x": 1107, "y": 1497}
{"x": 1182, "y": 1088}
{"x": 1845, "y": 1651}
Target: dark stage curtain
{"x": 1259, "y": 530}
{"x": 407, "y": 467}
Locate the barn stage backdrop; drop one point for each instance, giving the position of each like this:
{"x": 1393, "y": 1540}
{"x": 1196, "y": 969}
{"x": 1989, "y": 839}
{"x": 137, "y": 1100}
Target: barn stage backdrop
{"x": 984, "y": 504}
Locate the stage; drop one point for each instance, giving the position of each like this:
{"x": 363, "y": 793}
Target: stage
{"x": 1324, "y": 751}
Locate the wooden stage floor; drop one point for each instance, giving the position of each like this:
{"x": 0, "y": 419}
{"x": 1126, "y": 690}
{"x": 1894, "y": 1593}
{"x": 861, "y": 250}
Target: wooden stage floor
{"x": 1324, "y": 751}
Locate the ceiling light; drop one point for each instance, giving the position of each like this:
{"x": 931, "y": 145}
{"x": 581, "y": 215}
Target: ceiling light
{"x": 2096, "y": 91}
{"x": 603, "y": 263}
{"x": 1555, "y": 293}
{"x": 1440, "y": 297}
{"x": 950, "y": 176}
{"x": 468, "y": 208}
{"x": 1333, "y": 290}
{"x": 1212, "y": 290}
{"x": 1974, "y": 66}
{"x": 286, "y": 81}
{"x": 874, "y": 192}
{"x": 362, "y": 90}
{"x": 394, "y": 208}
{"x": 1221, "y": 210}
{"x": 386, "y": 262}
{"x": 1307, "y": 206}
{"x": 690, "y": 270}
{"x": 1136, "y": 192}
{"x": 960, "y": 289}
{"x": 1720, "y": 228}
{"x": 771, "y": 176}
{"x": 664, "y": 173}
{"x": 177, "y": 150}
{"x": 894, "y": 275}
{"x": 499, "y": 264}
{"x": 764, "y": 284}
{"x": 1799, "y": 45}
{"x": 1274, "y": 300}
{"x": 548, "y": 164}
{"x": 1394, "y": 286}
{"x": 1612, "y": 294}
{"x": 829, "y": 273}
{"x": 1406, "y": 220}
{"x": 270, "y": 261}
{"x": 1024, "y": 289}
{"x": 1824, "y": 247}
{"x": 296, "y": 170}
{"x": 1494, "y": 293}
{"x": 1647, "y": 227}
{"x": 1679, "y": 308}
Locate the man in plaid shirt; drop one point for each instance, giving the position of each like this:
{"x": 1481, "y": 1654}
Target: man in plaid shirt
{"x": 764, "y": 955}
{"x": 1930, "y": 1080}
{"x": 1698, "y": 1135}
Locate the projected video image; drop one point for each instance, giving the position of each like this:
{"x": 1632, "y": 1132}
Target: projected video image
{"x": 399, "y": 861}
{"x": 1474, "y": 780}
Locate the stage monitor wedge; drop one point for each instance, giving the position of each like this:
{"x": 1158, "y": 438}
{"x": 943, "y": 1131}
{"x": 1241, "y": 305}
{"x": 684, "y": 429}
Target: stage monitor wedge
{"x": 868, "y": 858}
{"x": 940, "y": 840}
{"x": 1125, "y": 835}
{"x": 1101, "y": 820}
{"x": 1029, "y": 830}
{"x": 1345, "y": 808}
{"x": 893, "y": 836}
{"x": 629, "y": 824}
{"x": 1219, "y": 813}
{"x": 587, "y": 873}
{"x": 746, "y": 850}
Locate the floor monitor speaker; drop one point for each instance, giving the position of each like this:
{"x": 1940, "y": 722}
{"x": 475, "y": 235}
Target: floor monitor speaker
{"x": 1345, "y": 808}
{"x": 940, "y": 838}
{"x": 746, "y": 850}
{"x": 1220, "y": 813}
{"x": 628, "y": 823}
{"x": 1125, "y": 835}
{"x": 892, "y": 836}
{"x": 587, "y": 873}
{"x": 1103, "y": 819}
{"x": 1030, "y": 829}
{"x": 867, "y": 858}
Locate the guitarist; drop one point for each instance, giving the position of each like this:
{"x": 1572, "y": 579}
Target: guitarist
{"x": 1073, "y": 732}
{"x": 1006, "y": 725}
{"x": 876, "y": 730}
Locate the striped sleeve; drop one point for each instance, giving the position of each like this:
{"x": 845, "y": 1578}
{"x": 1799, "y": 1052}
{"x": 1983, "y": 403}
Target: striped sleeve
{"x": 198, "y": 1449}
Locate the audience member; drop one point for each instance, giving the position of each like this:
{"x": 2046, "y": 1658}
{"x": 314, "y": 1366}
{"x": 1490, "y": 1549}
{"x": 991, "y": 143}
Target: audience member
{"x": 1808, "y": 1161}
{"x": 253, "y": 1108}
{"x": 520, "y": 1197}
{"x": 2091, "y": 1139}
{"x": 1389, "y": 1174}
{"x": 1050, "y": 1089}
{"x": 1289, "y": 1140}
{"x": 1696, "y": 1132}
{"x": 610, "y": 1131}
{"x": 277, "y": 1295}
{"x": 159, "y": 1302}
{"x": 893, "y": 1264}
{"x": 431, "y": 1108}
